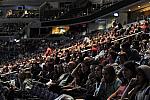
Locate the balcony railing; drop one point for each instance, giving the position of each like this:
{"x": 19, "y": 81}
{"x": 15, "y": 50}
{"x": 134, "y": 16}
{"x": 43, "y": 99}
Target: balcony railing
{"x": 75, "y": 10}
{"x": 103, "y": 11}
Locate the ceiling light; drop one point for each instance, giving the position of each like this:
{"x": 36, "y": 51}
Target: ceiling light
{"x": 129, "y": 9}
{"x": 139, "y": 6}
{"x": 116, "y": 14}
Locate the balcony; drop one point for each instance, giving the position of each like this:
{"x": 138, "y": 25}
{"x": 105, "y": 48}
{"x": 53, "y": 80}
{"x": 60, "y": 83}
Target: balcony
{"x": 85, "y": 19}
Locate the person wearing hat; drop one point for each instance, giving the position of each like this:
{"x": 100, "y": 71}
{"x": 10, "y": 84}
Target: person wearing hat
{"x": 139, "y": 87}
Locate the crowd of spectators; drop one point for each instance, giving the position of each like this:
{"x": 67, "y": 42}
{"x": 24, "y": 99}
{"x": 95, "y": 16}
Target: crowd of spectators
{"x": 22, "y": 14}
{"x": 109, "y": 66}
{"x": 86, "y": 8}
{"x": 9, "y": 29}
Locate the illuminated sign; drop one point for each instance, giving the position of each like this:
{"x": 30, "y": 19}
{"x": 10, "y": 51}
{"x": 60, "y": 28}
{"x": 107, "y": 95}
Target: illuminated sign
{"x": 60, "y": 29}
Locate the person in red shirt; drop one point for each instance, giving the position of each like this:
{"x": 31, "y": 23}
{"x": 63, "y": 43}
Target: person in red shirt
{"x": 48, "y": 52}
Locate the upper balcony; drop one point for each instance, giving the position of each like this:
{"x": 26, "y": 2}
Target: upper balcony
{"x": 101, "y": 12}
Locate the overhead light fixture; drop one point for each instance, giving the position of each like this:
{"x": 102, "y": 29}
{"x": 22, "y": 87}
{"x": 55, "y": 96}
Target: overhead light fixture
{"x": 25, "y": 12}
{"x": 116, "y": 14}
{"x": 139, "y": 6}
{"x": 129, "y": 9}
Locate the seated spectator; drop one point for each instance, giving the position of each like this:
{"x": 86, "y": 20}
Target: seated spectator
{"x": 107, "y": 86}
{"x": 132, "y": 54}
{"x": 35, "y": 70}
{"x": 27, "y": 84}
{"x": 109, "y": 83}
{"x": 146, "y": 59}
{"x": 82, "y": 71}
{"x": 2, "y": 97}
{"x": 90, "y": 83}
{"x": 129, "y": 71}
{"x": 139, "y": 87}
{"x": 112, "y": 56}
{"x": 65, "y": 78}
{"x": 44, "y": 75}
{"x": 121, "y": 58}
{"x": 93, "y": 79}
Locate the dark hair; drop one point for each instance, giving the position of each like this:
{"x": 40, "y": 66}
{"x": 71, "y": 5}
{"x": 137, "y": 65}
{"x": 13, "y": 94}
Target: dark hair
{"x": 99, "y": 66}
{"x": 110, "y": 69}
{"x": 125, "y": 45}
{"x": 95, "y": 62}
{"x": 131, "y": 65}
{"x": 140, "y": 70}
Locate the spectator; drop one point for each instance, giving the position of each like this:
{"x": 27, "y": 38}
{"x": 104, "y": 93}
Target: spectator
{"x": 108, "y": 84}
{"x": 129, "y": 72}
{"x": 131, "y": 54}
{"x": 139, "y": 88}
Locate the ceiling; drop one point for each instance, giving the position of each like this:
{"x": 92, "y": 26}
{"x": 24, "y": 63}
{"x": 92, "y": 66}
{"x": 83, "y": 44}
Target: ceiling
{"x": 142, "y": 6}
